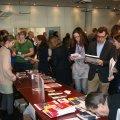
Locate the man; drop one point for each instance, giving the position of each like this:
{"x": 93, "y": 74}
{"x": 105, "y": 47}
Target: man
{"x": 98, "y": 73}
{"x": 31, "y": 38}
{"x": 103, "y": 105}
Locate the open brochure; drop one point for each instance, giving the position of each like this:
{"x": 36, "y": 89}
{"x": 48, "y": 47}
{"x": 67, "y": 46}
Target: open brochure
{"x": 91, "y": 58}
{"x": 75, "y": 56}
{"x": 111, "y": 66}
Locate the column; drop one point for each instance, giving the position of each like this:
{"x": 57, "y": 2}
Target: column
{"x": 88, "y": 18}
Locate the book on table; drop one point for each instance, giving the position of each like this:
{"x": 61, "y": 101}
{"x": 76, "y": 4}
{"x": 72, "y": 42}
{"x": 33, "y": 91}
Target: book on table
{"x": 52, "y": 85}
{"x": 54, "y": 109}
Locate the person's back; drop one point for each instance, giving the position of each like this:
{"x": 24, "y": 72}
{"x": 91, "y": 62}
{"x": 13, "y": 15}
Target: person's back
{"x": 61, "y": 54}
{"x": 61, "y": 64}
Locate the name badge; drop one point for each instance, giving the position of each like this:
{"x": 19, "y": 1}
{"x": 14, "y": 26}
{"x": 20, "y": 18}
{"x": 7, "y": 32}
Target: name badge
{"x": 19, "y": 53}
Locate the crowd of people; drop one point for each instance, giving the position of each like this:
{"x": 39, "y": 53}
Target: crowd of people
{"x": 53, "y": 54}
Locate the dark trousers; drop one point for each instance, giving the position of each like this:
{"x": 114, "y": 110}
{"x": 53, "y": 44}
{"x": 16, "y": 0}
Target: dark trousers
{"x": 7, "y": 103}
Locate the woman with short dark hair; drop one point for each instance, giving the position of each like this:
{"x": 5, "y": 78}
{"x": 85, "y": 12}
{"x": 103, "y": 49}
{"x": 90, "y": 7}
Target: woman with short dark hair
{"x": 59, "y": 60}
{"x": 42, "y": 53}
{"x": 24, "y": 49}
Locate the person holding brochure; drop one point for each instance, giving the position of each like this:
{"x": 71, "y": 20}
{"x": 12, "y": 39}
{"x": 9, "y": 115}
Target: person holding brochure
{"x": 114, "y": 86}
{"x": 99, "y": 72}
{"x": 79, "y": 68}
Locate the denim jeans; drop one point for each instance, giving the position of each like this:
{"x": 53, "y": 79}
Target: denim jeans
{"x": 81, "y": 85}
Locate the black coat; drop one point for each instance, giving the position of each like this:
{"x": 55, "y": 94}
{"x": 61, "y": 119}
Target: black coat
{"x": 107, "y": 53}
{"x": 61, "y": 64}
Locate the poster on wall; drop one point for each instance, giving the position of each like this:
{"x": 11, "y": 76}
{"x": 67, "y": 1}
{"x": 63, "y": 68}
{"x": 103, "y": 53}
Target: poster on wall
{"x": 53, "y": 31}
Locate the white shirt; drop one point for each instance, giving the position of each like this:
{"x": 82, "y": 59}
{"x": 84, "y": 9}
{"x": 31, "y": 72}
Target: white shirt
{"x": 99, "y": 48}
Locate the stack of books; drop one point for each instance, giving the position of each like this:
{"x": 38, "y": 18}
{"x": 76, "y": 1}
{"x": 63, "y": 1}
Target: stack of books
{"x": 52, "y": 85}
{"x": 54, "y": 108}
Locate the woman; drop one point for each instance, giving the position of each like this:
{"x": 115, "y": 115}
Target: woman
{"x": 42, "y": 53}
{"x": 79, "y": 68}
{"x": 6, "y": 76}
{"x": 24, "y": 49}
{"x": 114, "y": 86}
{"x": 59, "y": 60}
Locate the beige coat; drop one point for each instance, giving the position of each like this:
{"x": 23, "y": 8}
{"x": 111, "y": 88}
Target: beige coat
{"x": 6, "y": 75}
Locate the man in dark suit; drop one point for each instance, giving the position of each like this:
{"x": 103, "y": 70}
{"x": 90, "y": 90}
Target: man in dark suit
{"x": 98, "y": 73}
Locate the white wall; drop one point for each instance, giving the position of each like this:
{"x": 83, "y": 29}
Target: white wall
{"x": 104, "y": 17}
{"x": 67, "y": 18}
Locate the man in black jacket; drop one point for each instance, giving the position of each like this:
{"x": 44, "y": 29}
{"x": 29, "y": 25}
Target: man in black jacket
{"x": 98, "y": 73}
{"x": 103, "y": 105}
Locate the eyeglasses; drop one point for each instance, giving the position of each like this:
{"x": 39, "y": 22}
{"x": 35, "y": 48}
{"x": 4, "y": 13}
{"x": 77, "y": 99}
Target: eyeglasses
{"x": 113, "y": 40}
{"x": 101, "y": 36}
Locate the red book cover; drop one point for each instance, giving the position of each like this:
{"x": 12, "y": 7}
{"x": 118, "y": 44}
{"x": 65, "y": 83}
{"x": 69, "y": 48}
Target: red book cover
{"x": 62, "y": 105}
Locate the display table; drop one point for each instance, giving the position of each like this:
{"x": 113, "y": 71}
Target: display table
{"x": 24, "y": 86}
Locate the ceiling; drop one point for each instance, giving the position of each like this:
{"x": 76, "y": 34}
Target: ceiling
{"x": 65, "y": 3}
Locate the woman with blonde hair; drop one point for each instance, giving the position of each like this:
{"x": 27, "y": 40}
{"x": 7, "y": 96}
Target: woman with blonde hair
{"x": 59, "y": 59}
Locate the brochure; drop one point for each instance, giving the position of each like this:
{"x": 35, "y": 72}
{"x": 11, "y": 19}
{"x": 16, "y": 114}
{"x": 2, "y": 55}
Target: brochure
{"x": 75, "y": 56}
{"x": 91, "y": 59}
{"x": 111, "y": 66}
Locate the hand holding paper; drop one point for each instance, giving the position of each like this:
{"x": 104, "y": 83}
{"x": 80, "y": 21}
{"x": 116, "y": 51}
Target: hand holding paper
{"x": 110, "y": 78}
{"x": 92, "y": 59}
{"x": 100, "y": 62}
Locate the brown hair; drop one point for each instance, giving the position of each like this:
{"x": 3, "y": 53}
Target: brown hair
{"x": 83, "y": 37}
{"x": 22, "y": 32}
{"x": 102, "y": 29}
{"x": 54, "y": 42}
{"x": 8, "y": 38}
{"x": 117, "y": 37}
{"x": 115, "y": 30}
{"x": 43, "y": 40}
